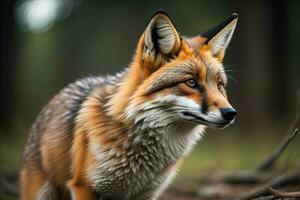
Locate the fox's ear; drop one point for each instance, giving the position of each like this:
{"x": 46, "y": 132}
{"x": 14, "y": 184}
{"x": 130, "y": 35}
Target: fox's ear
{"x": 219, "y": 37}
{"x": 160, "y": 40}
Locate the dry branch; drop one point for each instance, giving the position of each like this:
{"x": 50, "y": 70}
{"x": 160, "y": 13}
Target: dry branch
{"x": 8, "y": 182}
{"x": 269, "y": 162}
{"x": 267, "y": 198}
{"x": 243, "y": 177}
{"x": 286, "y": 178}
{"x": 9, "y": 188}
{"x": 284, "y": 194}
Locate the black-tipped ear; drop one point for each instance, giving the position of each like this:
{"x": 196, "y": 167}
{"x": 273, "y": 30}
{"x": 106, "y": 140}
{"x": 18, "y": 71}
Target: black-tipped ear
{"x": 219, "y": 37}
{"x": 160, "y": 38}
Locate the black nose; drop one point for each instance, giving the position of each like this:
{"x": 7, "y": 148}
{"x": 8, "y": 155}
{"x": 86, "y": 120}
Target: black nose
{"x": 228, "y": 113}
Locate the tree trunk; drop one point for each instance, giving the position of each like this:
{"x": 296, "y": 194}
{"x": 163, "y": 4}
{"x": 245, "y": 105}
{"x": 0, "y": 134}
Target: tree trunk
{"x": 7, "y": 66}
{"x": 259, "y": 50}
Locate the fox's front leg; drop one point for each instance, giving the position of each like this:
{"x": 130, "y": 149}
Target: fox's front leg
{"x": 80, "y": 191}
{"x": 79, "y": 188}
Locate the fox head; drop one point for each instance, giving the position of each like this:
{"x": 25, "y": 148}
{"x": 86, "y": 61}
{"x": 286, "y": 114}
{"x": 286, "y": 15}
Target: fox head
{"x": 181, "y": 78}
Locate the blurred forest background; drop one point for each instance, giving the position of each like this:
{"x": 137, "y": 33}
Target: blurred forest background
{"x": 46, "y": 44}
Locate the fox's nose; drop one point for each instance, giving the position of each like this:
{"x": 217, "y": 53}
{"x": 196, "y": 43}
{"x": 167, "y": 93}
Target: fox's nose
{"x": 228, "y": 113}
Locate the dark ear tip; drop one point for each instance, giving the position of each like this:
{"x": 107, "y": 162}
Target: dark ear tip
{"x": 158, "y": 12}
{"x": 161, "y": 11}
{"x": 212, "y": 32}
{"x": 234, "y": 15}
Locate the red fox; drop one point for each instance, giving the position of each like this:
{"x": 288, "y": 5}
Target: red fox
{"x": 123, "y": 137}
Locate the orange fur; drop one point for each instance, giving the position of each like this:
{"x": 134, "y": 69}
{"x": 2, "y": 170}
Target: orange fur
{"x": 52, "y": 156}
{"x": 104, "y": 130}
{"x": 80, "y": 189}
{"x": 31, "y": 182}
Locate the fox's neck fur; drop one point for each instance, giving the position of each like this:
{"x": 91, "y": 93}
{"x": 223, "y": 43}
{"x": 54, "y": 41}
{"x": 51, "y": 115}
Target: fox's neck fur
{"x": 137, "y": 149}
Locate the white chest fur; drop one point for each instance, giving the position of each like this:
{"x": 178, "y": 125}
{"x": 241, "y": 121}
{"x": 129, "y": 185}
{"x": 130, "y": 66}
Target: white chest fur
{"x": 142, "y": 171}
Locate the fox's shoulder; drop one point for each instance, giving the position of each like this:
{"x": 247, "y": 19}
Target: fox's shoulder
{"x": 83, "y": 87}
{"x": 59, "y": 115}
{"x": 69, "y": 100}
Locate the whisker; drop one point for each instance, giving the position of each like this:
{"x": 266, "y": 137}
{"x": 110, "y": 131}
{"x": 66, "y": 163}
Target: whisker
{"x": 231, "y": 66}
{"x": 233, "y": 70}
{"x": 231, "y": 78}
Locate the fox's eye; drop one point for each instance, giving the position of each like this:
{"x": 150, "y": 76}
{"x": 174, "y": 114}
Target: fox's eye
{"x": 191, "y": 83}
{"x": 220, "y": 84}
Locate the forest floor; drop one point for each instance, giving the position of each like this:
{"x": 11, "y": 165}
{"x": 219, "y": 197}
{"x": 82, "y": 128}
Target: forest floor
{"x": 261, "y": 183}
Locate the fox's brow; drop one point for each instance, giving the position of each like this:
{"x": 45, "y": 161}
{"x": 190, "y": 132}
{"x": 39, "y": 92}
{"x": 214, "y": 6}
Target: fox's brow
{"x": 173, "y": 76}
{"x": 213, "y": 72}
{"x": 222, "y": 75}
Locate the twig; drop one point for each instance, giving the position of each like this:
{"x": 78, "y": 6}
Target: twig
{"x": 243, "y": 177}
{"x": 266, "y": 198}
{"x": 269, "y": 162}
{"x": 284, "y": 194}
{"x": 293, "y": 175}
{"x": 8, "y": 188}
{"x": 9, "y": 182}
